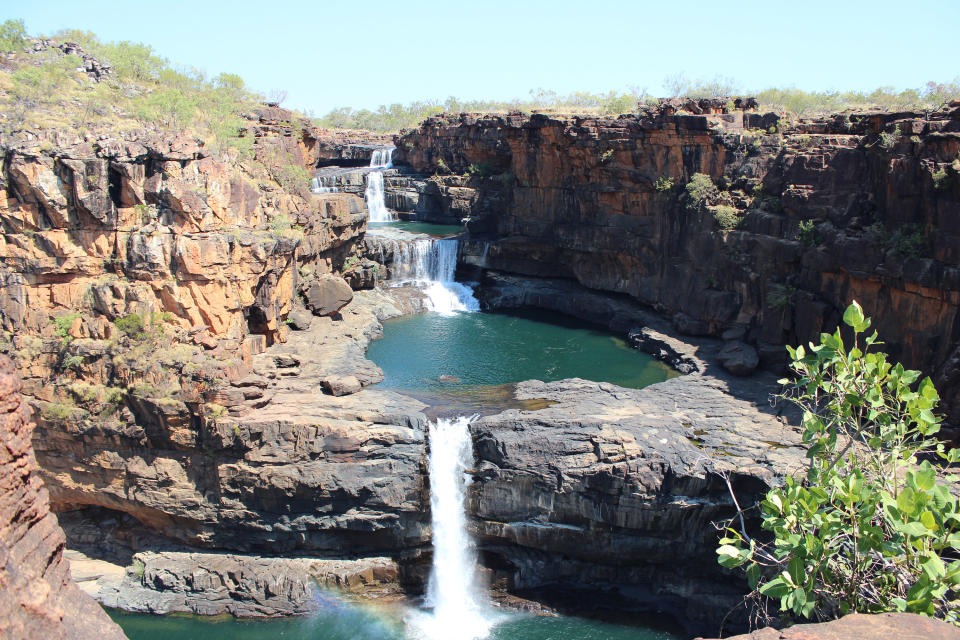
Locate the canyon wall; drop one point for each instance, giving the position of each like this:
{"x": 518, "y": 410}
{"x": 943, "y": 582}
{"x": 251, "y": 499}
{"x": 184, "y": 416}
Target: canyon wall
{"x": 39, "y": 600}
{"x": 803, "y": 218}
{"x": 144, "y": 278}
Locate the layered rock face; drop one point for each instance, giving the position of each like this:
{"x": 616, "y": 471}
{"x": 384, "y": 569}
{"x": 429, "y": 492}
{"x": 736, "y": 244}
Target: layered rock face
{"x": 612, "y": 492}
{"x": 39, "y": 600}
{"x": 144, "y": 280}
{"x": 799, "y": 219}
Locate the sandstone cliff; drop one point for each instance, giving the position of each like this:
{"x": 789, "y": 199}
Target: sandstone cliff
{"x": 38, "y": 600}
{"x": 799, "y": 219}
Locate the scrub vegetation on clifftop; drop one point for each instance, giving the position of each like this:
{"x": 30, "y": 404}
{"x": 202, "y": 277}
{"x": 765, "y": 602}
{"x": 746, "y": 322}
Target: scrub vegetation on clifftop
{"x": 76, "y": 80}
{"x": 796, "y": 102}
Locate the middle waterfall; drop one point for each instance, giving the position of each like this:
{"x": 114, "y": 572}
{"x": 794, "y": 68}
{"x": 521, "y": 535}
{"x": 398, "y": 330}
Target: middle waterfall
{"x": 376, "y": 205}
{"x": 431, "y": 263}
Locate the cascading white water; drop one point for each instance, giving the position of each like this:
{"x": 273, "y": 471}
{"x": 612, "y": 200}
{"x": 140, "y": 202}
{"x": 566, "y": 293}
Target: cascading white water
{"x": 453, "y": 593}
{"x": 324, "y": 184}
{"x": 381, "y": 160}
{"x": 431, "y": 264}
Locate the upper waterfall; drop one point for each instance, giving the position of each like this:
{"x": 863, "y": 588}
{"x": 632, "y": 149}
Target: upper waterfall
{"x": 380, "y": 160}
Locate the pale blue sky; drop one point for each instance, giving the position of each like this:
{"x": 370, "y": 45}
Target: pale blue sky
{"x": 328, "y": 54}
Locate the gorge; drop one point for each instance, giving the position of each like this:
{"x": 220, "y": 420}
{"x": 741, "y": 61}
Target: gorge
{"x": 338, "y": 376}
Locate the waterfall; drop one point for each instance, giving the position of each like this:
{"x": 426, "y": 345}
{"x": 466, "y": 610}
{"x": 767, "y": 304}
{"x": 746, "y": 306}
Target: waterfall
{"x": 324, "y": 184}
{"x": 453, "y": 592}
{"x": 431, "y": 264}
{"x": 379, "y": 161}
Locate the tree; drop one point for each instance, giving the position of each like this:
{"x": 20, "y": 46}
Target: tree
{"x": 870, "y": 528}
{"x": 13, "y": 36}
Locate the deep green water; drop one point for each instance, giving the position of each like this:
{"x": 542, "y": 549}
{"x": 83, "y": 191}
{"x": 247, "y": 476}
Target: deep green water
{"x": 484, "y": 349}
{"x": 349, "y": 623}
{"x": 436, "y": 230}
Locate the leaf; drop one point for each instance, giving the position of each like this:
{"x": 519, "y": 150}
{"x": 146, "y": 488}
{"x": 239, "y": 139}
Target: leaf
{"x": 926, "y": 476}
{"x": 907, "y": 501}
{"x": 854, "y": 317}
{"x": 929, "y": 521}
{"x": 776, "y": 588}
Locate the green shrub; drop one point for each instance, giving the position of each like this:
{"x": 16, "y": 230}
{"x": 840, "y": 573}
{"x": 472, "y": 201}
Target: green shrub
{"x": 131, "y": 325}
{"x": 61, "y": 411}
{"x": 13, "y": 36}
{"x": 663, "y": 184}
{"x": 941, "y": 181}
{"x": 727, "y": 217}
{"x": 73, "y": 362}
{"x": 888, "y": 140}
{"x": 442, "y": 166}
{"x": 701, "y": 190}
{"x": 869, "y": 528}
{"x": 606, "y": 156}
{"x": 62, "y": 324}
{"x": 807, "y": 234}
{"x": 481, "y": 169}
{"x": 780, "y": 296}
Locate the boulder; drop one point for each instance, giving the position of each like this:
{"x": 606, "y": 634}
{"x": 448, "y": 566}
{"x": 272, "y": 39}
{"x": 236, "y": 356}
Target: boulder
{"x": 738, "y": 358}
{"x": 299, "y": 320}
{"x": 327, "y": 295}
{"x": 341, "y": 385}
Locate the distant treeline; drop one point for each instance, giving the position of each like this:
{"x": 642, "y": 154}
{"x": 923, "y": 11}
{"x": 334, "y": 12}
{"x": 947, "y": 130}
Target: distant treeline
{"x": 797, "y": 102}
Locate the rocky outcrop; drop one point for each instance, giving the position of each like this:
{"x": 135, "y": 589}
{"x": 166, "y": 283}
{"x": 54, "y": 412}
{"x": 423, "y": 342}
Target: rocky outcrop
{"x": 804, "y": 217}
{"x": 280, "y": 466}
{"x": 244, "y": 586}
{"x": 613, "y": 492}
{"x": 39, "y": 600}
{"x": 907, "y": 626}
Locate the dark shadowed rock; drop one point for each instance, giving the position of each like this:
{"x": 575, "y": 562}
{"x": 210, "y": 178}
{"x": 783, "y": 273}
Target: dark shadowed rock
{"x": 327, "y": 295}
{"x": 615, "y": 491}
{"x": 738, "y": 358}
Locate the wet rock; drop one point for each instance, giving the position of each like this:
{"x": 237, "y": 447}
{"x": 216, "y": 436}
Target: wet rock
{"x": 738, "y": 358}
{"x": 327, "y": 295}
{"x": 448, "y": 379}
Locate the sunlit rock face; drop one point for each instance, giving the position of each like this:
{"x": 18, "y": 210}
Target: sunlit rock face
{"x": 840, "y": 208}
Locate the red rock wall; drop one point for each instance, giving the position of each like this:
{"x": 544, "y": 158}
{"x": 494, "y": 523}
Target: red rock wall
{"x": 578, "y": 198}
{"x": 37, "y": 597}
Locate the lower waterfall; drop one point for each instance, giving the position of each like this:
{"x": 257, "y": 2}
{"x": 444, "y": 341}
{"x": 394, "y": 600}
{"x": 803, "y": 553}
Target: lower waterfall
{"x": 453, "y": 593}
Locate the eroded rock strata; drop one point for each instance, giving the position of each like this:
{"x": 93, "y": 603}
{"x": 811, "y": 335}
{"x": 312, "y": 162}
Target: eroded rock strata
{"x": 207, "y": 416}
{"x": 39, "y": 600}
{"x": 858, "y": 206}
